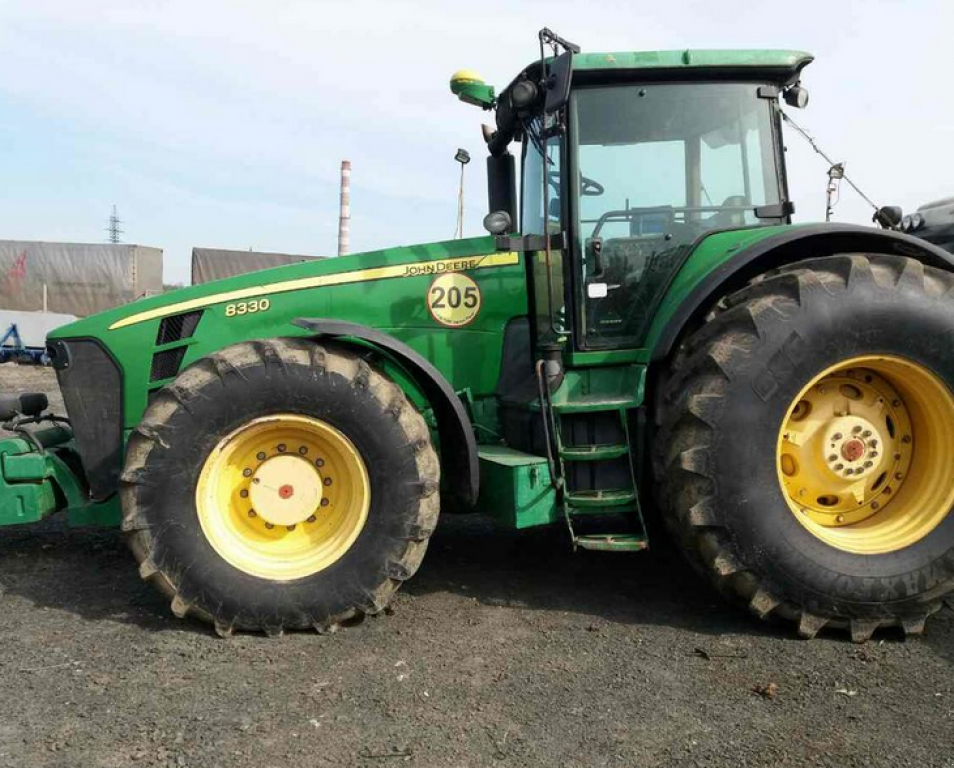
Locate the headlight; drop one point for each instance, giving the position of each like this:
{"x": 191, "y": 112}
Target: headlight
{"x": 906, "y": 224}
{"x": 917, "y": 221}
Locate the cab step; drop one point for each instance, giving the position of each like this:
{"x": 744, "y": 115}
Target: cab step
{"x": 612, "y": 542}
{"x": 594, "y": 404}
{"x": 601, "y": 498}
{"x": 593, "y": 452}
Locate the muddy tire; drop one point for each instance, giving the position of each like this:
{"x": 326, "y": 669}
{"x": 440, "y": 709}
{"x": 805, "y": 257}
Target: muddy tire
{"x": 806, "y": 456}
{"x": 277, "y": 485}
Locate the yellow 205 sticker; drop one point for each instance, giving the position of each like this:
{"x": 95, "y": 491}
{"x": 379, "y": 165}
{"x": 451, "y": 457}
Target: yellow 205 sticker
{"x": 454, "y": 300}
{"x": 247, "y": 307}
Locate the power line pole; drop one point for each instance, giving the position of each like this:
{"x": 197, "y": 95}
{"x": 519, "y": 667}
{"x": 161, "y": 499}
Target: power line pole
{"x": 114, "y": 229}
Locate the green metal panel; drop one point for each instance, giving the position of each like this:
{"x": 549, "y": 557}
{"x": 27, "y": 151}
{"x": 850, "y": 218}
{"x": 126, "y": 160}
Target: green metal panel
{"x": 515, "y": 488}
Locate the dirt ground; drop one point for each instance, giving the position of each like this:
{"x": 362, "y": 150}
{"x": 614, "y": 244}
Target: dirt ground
{"x": 505, "y": 650}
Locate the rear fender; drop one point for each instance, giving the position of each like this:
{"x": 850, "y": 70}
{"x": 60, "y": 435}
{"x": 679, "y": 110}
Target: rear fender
{"x": 791, "y": 245}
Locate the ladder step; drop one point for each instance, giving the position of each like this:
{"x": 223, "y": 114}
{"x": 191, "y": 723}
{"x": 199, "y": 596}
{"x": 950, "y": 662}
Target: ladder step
{"x": 593, "y": 404}
{"x": 613, "y": 542}
{"x": 593, "y": 452}
{"x": 587, "y": 499}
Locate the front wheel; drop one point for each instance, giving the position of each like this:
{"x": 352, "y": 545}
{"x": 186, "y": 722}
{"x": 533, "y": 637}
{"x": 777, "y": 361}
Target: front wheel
{"x": 280, "y": 485}
{"x": 807, "y": 453}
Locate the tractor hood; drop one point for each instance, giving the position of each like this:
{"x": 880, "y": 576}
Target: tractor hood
{"x": 269, "y": 283}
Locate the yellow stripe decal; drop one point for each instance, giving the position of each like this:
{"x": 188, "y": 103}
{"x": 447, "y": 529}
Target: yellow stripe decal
{"x": 342, "y": 278}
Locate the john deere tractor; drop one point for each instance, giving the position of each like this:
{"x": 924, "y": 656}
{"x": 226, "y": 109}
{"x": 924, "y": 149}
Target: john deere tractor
{"x": 646, "y": 327}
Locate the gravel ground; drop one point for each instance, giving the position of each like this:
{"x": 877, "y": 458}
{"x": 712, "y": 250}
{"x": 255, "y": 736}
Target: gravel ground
{"x": 504, "y": 650}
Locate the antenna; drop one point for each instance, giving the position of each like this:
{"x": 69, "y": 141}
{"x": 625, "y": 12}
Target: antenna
{"x": 114, "y": 229}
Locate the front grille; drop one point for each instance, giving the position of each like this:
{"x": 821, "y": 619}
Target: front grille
{"x": 91, "y": 384}
{"x": 177, "y": 327}
{"x": 166, "y": 364}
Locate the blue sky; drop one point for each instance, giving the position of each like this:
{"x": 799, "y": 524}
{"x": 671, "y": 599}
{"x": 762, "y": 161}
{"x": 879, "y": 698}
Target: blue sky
{"x": 223, "y": 123}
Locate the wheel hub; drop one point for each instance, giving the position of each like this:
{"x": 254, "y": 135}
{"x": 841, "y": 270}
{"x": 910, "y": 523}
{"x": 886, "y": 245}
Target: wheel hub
{"x": 864, "y": 454}
{"x": 850, "y": 446}
{"x": 846, "y": 447}
{"x": 285, "y": 490}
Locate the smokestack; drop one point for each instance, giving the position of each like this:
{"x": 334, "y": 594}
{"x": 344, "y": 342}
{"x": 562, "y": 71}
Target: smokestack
{"x": 344, "y": 216}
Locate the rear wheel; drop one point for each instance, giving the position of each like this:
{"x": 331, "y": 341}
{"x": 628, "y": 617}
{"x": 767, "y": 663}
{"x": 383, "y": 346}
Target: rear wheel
{"x": 807, "y": 454}
{"x": 280, "y": 485}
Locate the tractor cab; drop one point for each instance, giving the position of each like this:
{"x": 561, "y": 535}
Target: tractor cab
{"x": 628, "y": 160}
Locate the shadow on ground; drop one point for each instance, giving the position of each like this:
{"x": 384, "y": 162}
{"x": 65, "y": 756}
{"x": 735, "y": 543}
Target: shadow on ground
{"x": 90, "y": 572}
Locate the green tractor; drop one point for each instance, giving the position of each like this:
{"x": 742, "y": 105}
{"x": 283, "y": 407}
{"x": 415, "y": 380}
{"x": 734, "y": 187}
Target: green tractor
{"x": 648, "y": 328}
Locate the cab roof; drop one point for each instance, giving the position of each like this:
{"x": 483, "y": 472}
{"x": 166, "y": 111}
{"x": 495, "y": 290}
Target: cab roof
{"x": 773, "y": 65}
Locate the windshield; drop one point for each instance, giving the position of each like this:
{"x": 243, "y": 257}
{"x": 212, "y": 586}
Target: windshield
{"x": 659, "y": 166}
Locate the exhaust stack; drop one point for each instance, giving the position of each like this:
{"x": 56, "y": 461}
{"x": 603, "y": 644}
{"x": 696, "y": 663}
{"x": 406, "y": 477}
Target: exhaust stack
{"x": 344, "y": 215}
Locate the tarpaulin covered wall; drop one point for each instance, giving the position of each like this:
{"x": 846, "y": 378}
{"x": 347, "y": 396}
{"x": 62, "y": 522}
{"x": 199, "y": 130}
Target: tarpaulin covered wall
{"x": 210, "y": 264}
{"x": 80, "y": 279}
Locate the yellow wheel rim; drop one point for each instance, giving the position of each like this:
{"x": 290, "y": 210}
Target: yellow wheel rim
{"x": 865, "y": 456}
{"x": 283, "y": 497}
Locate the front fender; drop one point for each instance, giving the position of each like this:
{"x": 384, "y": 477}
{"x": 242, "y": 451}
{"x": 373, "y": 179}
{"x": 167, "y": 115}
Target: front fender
{"x": 458, "y": 447}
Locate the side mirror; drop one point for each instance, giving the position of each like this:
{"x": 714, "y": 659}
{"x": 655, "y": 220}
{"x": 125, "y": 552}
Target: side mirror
{"x": 498, "y": 222}
{"x": 889, "y": 216}
{"x": 558, "y": 82}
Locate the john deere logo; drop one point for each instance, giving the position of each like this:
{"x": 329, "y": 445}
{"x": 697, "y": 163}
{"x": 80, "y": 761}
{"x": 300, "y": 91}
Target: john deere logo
{"x": 454, "y": 300}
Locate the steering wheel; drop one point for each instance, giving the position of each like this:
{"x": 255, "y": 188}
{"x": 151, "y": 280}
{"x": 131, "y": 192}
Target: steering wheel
{"x": 588, "y": 187}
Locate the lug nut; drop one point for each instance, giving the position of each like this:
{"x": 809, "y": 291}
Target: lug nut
{"x": 840, "y": 519}
{"x": 898, "y": 475}
{"x": 896, "y": 403}
{"x": 319, "y": 462}
{"x": 243, "y": 493}
{"x": 833, "y": 457}
{"x": 260, "y": 455}
{"x": 866, "y": 433}
{"x": 325, "y": 502}
{"x": 836, "y": 436}
{"x": 839, "y": 467}
{"x": 281, "y": 448}
{"x": 252, "y": 513}
{"x": 327, "y": 481}
{"x": 312, "y": 519}
{"x": 290, "y": 527}
{"x": 856, "y": 429}
{"x": 269, "y": 526}
{"x": 303, "y": 450}
{"x": 875, "y": 505}
{"x": 247, "y": 472}
{"x": 873, "y": 443}
{"x": 869, "y": 463}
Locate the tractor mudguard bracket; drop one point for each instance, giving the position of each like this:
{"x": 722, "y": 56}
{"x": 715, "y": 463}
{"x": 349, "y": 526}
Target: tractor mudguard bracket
{"x": 458, "y": 443}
